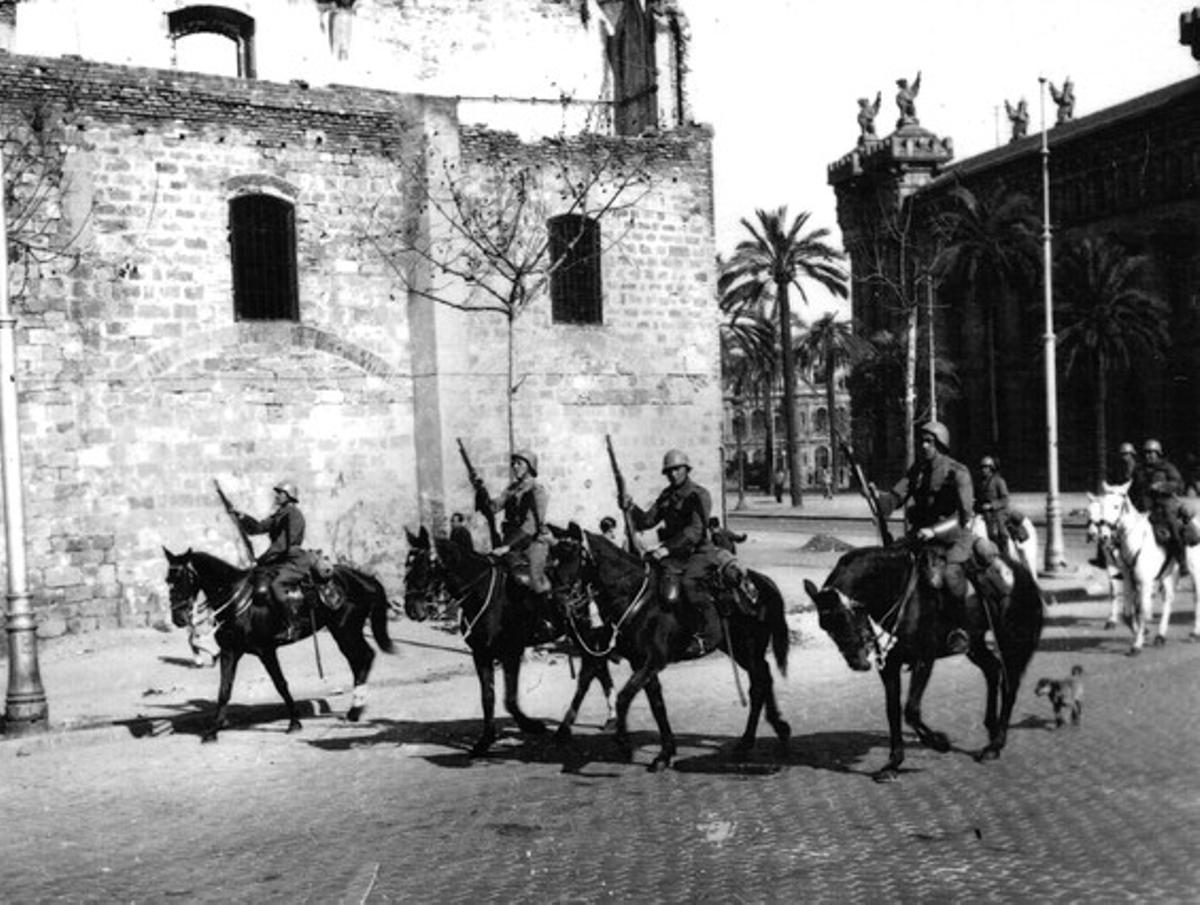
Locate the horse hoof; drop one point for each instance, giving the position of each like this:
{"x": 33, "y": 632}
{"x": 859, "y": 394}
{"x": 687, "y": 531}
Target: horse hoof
{"x": 564, "y": 736}
{"x": 293, "y": 726}
{"x": 1110, "y": 625}
{"x": 611, "y": 723}
{"x": 987, "y": 754}
{"x": 1133, "y": 651}
{"x": 354, "y": 714}
{"x": 208, "y": 737}
{"x": 532, "y": 727}
{"x": 784, "y": 730}
{"x": 939, "y": 742}
{"x": 662, "y": 762}
{"x": 887, "y": 774}
{"x": 1160, "y": 640}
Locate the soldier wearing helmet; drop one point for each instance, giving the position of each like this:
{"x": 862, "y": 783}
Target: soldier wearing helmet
{"x": 991, "y": 501}
{"x": 525, "y": 539}
{"x": 284, "y": 559}
{"x": 940, "y": 502}
{"x": 1155, "y": 490}
{"x": 684, "y": 552}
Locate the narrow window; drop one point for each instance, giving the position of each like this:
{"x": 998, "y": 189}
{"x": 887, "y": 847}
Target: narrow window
{"x": 263, "y": 239}
{"x": 575, "y": 270}
{"x": 201, "y": 25}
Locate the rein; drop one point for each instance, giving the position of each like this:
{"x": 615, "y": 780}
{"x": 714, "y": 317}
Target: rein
{"x": 879, "y": 627}
{"x": 237, "y": 595}
{"x": 635, "y": 605}
{"x": 468, "y": 627}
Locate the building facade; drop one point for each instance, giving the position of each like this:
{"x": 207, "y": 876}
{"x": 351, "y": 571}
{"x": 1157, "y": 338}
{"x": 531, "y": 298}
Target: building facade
{"x": 1129, "y": 173}
{"x": 217, "y": 277}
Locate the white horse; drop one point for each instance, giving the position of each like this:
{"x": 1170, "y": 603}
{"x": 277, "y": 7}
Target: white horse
{"x": 1024, "y": 552}
{"x": 1112, "y": 568}
{"x": 1144, "y": 565}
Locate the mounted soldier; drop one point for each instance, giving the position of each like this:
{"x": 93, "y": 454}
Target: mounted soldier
{"x": 1155, "y": 490}
{"x": 525, "y": 537}
{"x": 284, "y": 563}
{"x": 685, "y": 555}
{"x": 991, "y": 501}
{"x": 940, "y": 505}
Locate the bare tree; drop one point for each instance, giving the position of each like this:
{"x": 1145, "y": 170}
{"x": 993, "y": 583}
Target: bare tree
{"x": 495, "y": 238}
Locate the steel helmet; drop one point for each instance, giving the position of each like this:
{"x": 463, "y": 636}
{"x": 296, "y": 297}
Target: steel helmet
{"x": 987, "y": 462}
{"x": 938, "y": 431}
{"x": 1126, "y": 448}
{"x": 1152, "y": 446}
{"x": 528, "y": 458}
{"x": 288, "y": 489}
{"x": 674, "y": 458}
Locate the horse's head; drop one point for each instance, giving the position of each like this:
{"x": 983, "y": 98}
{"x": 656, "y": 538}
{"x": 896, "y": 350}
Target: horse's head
{"x": 572, "y": 565}
{"x": 183, "y": 584}
{"x": 424, "y": 584}
{"x": 1105, "y": 511}
{"x": 846, "y": 623}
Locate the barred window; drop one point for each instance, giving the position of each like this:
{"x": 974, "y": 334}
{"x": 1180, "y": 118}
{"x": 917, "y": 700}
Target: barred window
{"x": 575, "y": 275}
{"x": 263, "y": 241}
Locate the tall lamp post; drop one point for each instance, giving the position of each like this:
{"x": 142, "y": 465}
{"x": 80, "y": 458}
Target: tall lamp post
{"x": 25, "y": 708}
{"x": 1054, "y": 562}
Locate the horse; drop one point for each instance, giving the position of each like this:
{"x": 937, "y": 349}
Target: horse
{"x": 1108, "y": 553}
{"x": 496, "y": 621}
{"x": 877, "y": 604}
{"x": 1023, "y": 551}
{"x": 650, "y": 637}
{"x": 1145, "y": 565}
{"x": 243, "y": 627}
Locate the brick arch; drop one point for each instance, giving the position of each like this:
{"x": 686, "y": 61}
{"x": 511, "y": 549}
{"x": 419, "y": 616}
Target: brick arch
{"x": 166, "y": 359}
{"x": 261, "y": 183}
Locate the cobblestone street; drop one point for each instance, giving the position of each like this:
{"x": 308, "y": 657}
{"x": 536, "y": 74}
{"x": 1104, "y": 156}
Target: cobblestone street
{"x": 393, "y": 810}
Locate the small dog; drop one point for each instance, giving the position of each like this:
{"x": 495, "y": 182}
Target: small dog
{"x": 1065, "y": 694}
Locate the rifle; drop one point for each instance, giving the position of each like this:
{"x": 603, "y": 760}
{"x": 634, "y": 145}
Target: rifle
{"x": 864, "y": 488}
{"x": 236, "y": 521}
{"x": 477, "y": 482}
{"x": 630, "y": 534}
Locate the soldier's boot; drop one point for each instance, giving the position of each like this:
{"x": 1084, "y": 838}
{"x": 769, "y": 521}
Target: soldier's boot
{"x": 709, "y": 630}
{"x": 953, "y": 599}
{"x": 1099, "y": 560}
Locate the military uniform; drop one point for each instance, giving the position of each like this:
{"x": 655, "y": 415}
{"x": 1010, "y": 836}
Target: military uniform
{"x": 1155, "y": 490}
{"x": 991, "y": 502}
{"x": 285, "y": 557}
{"x": 524, "y": 503}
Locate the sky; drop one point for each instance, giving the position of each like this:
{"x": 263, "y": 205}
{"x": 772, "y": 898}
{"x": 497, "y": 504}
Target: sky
{"x": 778, "y": 80}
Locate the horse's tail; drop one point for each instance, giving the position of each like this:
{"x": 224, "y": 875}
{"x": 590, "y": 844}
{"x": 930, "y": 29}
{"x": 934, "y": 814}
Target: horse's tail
{"x": 770, "y": 596}
{"x": 1023, "y": 624}
{"x": 371, "y": 589}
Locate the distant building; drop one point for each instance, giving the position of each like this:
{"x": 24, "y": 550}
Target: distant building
{"x": 1131, "y": 173}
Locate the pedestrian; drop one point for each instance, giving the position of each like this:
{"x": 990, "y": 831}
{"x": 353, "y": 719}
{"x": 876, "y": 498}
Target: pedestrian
{"x": 284, "y": 562}
{"x": 991, "y": 501}
{"x": 460, "y": 534}
{"x": 608, "y": 528}
{"x": 525, "y": 538}
{"x": 940, "y": 504}
{"x": 723, "y": 538}
{"x": 684, "y": 553}
{"x": 827, "y": 481}
{"x": 780, "y": 482}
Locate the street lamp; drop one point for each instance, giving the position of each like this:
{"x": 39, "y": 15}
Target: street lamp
{"x": 1054, "y": 562}
{"x": 25, "y": 708}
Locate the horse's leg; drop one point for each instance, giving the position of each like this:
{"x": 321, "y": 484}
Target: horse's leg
{"x": 511, "y": 662}
{"x": 1141, "y": 611}
{"x": 891, "y": 693}
{"x": 360, "y": 656}
{"x": 921, "y": 673}
{"x": 999, "y": 701}
{"x": 1168, "y": 601}
{"x": 587, "y": 672}
{"x": 229, "y": 662}
{"x": 666, "y": 737}
{"x": 1115, "y": 596}
{"x": 270, "y": 660}
{"x": 486, "y": 671}
{"x": 606, "y": 683}
{"x": 641, "y": 675}
{"x": 752, "y": 655}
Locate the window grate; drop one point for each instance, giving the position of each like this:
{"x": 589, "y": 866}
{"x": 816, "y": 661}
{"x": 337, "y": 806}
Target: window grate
{"x": 263, "y": 239}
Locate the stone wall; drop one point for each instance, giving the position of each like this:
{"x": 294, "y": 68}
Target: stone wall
{"x": 138, "y": 387}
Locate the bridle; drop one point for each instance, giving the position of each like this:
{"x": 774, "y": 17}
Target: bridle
{"x": 883, "y": 634}
{"x": 186, "y": 591}
{"x": 586, "y": 590}
{"x": 435, "y": 587}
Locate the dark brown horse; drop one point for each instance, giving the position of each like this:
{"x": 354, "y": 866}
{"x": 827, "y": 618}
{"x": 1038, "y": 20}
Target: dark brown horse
{"x": 652, "y": 637}
{"x": 497, "y": 616}
{"x": 877, "y": 605}
{"x": 244, "y": 627}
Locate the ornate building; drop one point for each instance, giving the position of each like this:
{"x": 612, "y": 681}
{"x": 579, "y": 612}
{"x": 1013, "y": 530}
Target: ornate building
{"x": 1131, "y": 173}
{"x": 219, "y": 208}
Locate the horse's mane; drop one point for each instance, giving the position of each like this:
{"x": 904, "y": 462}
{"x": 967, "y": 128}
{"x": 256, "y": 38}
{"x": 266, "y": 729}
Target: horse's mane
{"x": 206, "y": 562}
{"x": 617, "y": 567}
{"x": 458, "y": 559}
{"x": 873, "y": 574}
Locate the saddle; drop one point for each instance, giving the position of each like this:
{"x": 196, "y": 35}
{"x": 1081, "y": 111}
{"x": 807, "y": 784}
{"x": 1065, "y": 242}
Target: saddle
{"x": 311, "y": 582}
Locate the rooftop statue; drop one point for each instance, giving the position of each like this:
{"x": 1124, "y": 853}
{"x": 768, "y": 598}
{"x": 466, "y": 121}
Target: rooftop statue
{"x": 1065, "y": 100}
{"x": 906, "y": 101}
{"x": 867, "y": 111}
{"x": 1019, "y": 117}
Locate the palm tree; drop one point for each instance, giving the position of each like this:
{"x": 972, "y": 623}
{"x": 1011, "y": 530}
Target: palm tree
{"x": 1108, "y": 320}
{"x": 750, "y": 349}
{"x": 990, "y": 248}
{"x": 779, "y": 256}
{"x": 830, "y": 345}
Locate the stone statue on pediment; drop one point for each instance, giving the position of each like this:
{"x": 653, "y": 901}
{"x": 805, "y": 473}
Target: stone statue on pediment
{"x": 1019, "y": 117}
{"x": 906, "y": 98}
{"x": 1065, "y": 99}
{"x": 867, "y": 111}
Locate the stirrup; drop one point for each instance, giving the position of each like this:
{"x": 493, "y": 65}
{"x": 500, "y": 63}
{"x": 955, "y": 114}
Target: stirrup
{"x": 957, "y": 641}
